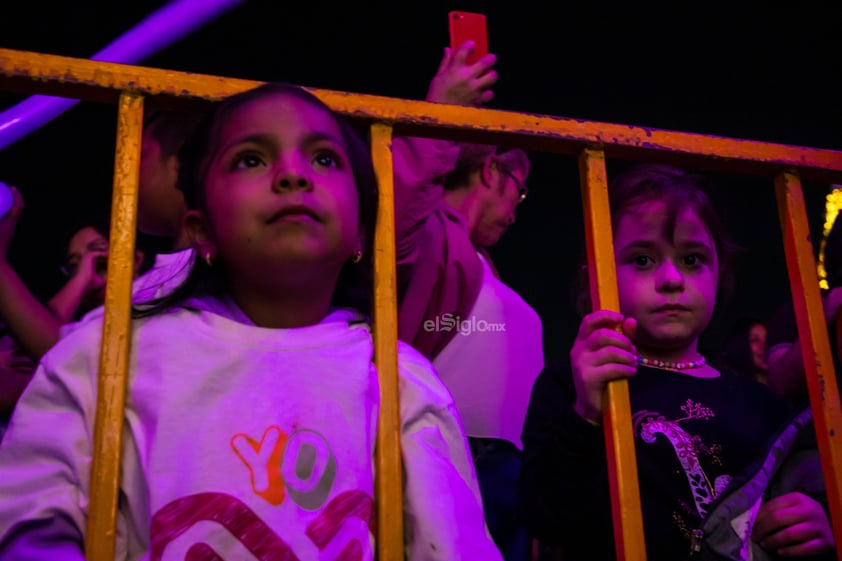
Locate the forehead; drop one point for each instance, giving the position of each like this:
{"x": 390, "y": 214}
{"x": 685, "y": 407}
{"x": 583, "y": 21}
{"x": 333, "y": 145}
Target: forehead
{"x": 650, "y": 221}
{"x": 279, "y": 113}
{"x": 80, "y": 240}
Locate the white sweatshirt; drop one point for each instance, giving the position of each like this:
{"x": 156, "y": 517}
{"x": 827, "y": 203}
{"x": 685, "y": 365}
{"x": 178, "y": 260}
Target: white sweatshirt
{"x": 240, "y": 441}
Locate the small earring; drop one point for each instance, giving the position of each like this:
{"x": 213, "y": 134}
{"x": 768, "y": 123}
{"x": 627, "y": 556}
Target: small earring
{"x": 209, "y": 259}
{"x": 357, "y": 257}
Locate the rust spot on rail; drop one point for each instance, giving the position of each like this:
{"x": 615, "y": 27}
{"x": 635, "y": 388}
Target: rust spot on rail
{"x": 100, "y": 81}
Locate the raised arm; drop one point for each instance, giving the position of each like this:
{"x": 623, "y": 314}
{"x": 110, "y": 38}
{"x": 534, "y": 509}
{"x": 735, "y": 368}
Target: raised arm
{"x": 420, "y": 163}
{"x": 87, "y": 278}
{"x": 32, "y": 323}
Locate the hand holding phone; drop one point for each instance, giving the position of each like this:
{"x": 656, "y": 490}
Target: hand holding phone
{"x": 461, "y": 78}
{"x": 469, "y": 26}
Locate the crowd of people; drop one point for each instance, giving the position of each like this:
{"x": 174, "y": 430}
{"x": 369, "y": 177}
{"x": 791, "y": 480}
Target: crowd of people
{"x": 252, "y": 401}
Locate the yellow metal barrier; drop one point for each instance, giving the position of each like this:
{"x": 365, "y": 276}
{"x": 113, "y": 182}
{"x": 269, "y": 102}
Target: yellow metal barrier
{"x": 619, "y": 436}
{"x": 591, "y": 142}
{"x": 116, "y": 331}
{"x": 815, "y": 346}
{"x": 388, "y": 473}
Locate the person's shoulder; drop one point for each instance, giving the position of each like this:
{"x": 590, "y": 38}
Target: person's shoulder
{"x": 87, "y": 326}
{"x": 410, "y": 355}
{"x": 417, "y": 371}
{"x": 412, "y": 362}
{"x": 78, "y": 338}
{"x": 94, "y": 315}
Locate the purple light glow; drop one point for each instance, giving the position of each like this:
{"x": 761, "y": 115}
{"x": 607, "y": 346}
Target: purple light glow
{"x": 157, "y": 31}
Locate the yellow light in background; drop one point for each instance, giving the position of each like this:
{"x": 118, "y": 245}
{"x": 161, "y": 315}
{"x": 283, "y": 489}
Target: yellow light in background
{"x": 832, "y": 205}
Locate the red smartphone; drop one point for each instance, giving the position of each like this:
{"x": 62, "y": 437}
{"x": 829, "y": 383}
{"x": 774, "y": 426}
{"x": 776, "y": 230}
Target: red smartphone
{"x": 465, "y": 26}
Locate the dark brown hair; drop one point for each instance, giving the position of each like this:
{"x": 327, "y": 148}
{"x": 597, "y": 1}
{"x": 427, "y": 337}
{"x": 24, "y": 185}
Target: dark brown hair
{"x": 354, "y": 285}
{"x": 473, "y": 156}
{"x": 678, "y": 190}
{"x": 170, "y": 128}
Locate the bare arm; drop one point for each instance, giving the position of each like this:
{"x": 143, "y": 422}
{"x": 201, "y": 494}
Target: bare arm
{"x": 421, "y": 163}
{"x": 65, "y": 303}
{"x": 32, "y": 323}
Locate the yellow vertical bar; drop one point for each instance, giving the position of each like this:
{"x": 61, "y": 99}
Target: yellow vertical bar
{"x": 388, "y": 479}
{"x": 116, "y": 330}
{"x": 619, "y": 437}
{"x": 815, "y": 346}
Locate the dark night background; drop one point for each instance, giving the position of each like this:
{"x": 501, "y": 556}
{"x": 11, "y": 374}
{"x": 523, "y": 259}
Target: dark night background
{"x": 772, "y": 74}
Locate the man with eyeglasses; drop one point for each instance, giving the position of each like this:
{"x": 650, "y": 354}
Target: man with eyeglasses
{"x": 452, "y": 202}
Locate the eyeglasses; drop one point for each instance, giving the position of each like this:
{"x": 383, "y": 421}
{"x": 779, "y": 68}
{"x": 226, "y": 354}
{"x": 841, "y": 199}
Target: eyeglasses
{"x": 522, "y": 191}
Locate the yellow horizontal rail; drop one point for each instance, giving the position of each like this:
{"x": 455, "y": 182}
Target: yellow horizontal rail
{"x": 29, "y": 72}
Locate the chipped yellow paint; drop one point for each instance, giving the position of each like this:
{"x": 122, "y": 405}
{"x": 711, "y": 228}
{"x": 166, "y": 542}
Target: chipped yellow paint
{"x": 116, "y": 331}
{"x": 812, "y": 331}
{"x": 388, "y": 475}
{"x": 617, "y": 422}
{"x": 85, "y": 79}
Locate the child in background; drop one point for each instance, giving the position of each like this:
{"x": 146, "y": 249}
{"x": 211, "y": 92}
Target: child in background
{"x": 251, "y": 386}
{"x": 37, "y": 325}
{"x": 31, "y": 327}
{"x": 707, "y": 486}
{"x": 85, "y": 267}
{"x": 160, "y": 209}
